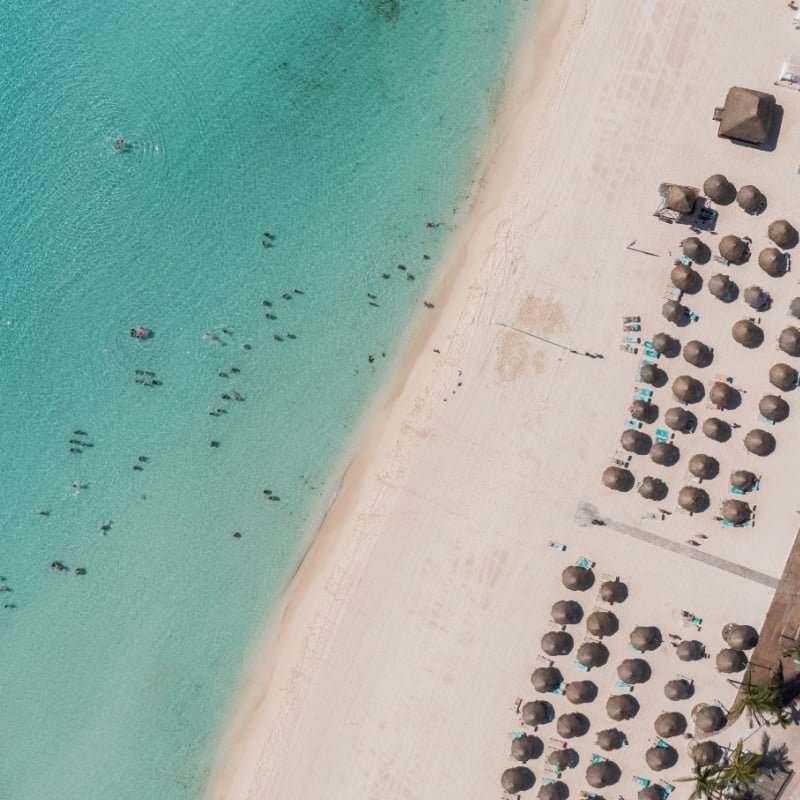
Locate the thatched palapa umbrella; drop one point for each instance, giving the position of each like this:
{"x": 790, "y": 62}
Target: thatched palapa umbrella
{"x": 560, "y": 758}
{"x": 592, "y": 654}
{"x": 794, "y": 307}
{"x": 759, "y": 443}
{"x": 723, "y": 395}
{"x": 750, "y": 199}
{"x": 782, "y": 233}
{"x": 783, "y": 376}
{"x": 678, "y": 689}
{"x": 719, "y": 189}
{"x": 789, "y": 341}
{"x": 706, "y": 753}
{"x": 677, "y": 418}
{"x": 747, "y": 333}
{"x": 716, "y": 429}
{"x": 653, "y": 488}
{"x": 602, "y": 623}
{"x": 613, "y": 592}
{"x": 621, "y": 707}
{"x": 690, "y": 650}
{"x": 537, "y": 712}
{"x": 645, "y": 638}
{"x": 773, "y": 407}
{"x": 756, "y": 297}
{"x": 735, "y": 511}
{"x": 743, "y": 480}
{"x": 524, "y": 748}
{"x": 722, "y": 287}
{"x": 557, "y": 790}
{"x": 577, "y": 578}
{"x": 650, "y": 373}
{"x": 687, "y": 389}
{"x": 664, "y": 453}
{"x": 618, "y": 479}
{"x": 730, "y": 661}
{"x": 556, "y": 643}
{"x": 673, "y": 311}
{"x": 670, "y": 724}
{"x": 633, "y": 670}
{"x": 683, "y": 277}
{"x": 703, "y": 466}
{"x": 772, "y": 261}
{"x": 697, "y": 353}
{"x": 601, "y": 773}
{"x": 545, "y": 679}
{"x": 732, "y": 248}
{"x": 610, "y": 739}
{"x": 740, "y": 637}
{"x": 694, "y": 248}
{"x": 681, "y": 198}
{"x": 569, "y": 725}
{"x": 635, "y": 441}
{"x": 579, "y": 692}
{"x": 639, "y": 410}
{"x": 659, "y": 758}
{"x": 517, "y": 779}
{"x": 663, "y": 343}
{"x": 566, "y": 612}
{"x": 693, "y": 499}
{"x": 709, "y": 718}
{"x": 649, "y": 793}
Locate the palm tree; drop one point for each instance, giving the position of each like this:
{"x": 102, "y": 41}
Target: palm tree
{"x": 742, "y": 769}
{"x": 762, "y": 702}
{"x": 793, "y": 650}
{"x": 706, "y": 782}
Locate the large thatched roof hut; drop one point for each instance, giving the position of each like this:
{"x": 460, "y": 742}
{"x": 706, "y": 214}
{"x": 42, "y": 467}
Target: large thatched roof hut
{"x": 746, "y": 116}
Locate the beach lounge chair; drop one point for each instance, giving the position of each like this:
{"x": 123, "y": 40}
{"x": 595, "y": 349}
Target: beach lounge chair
{"x": 557, "y": 690}
{"x": 662, "y": 744}
{"x": 668, "y": 788}
{"x": 662, "y": 435}
{"x": 581, "y": 667}
{"x": 632, "y": 423}
{"x": 596, "y": 759}
{"x": 723, "y": 261}
{"x": 631, "y": 326}
{"x": 687, "y": 262}
{"x": 763, "y": 419}
{"x": 693, "y": 317}
{"x": 650, "y": 353}
{"x": 559, "y": 744}
{"x": 643, "y": 782}
{"x": 584, "y": 562}
{"x": 632, "y": 339}
{"x": 734, "y": 490}
{"x": 558, "y": 546}
{"x": 631, "y": 318}
{"x": 643, "y": 391}
{"x": 624, "y": 687}
{"x": 547, "y": 781}
{"x": 517, "y": 734}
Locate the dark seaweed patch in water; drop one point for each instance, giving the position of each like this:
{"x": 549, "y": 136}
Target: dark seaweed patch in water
{"x": 388, "y": 9}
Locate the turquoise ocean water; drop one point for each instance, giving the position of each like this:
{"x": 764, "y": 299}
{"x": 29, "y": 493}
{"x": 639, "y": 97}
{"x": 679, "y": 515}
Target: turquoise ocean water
{"x": 341, "y": 128}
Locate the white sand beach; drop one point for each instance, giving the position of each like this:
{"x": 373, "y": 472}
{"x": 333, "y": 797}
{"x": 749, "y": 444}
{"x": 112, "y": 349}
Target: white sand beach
{"x": 412, "y": 626}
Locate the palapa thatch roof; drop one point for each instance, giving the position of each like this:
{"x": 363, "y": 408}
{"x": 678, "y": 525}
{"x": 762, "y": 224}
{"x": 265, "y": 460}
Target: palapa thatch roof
{"x": 690, "y": 650}
{"x": 782, "y": 233}
{"x": 573, "y": 724}
{"x": 617, "y": 478}
{"x": 517, "y": 779}
{"x": 740, "y": 637}
{"x": 566, "y": 612}
{"x": 697, "y": 353}
{"x": 687, "y": 389}
{"x": 621, "y": 707}
{"x": 703, "y": 466}
{"x": 603, "y": 623}
{"x": 649, "y": 793}
{"x": 759, "y": 442}
{"x": 773, "y": 407}
{"x": 730, "y": 661}
{"x": 742, "y": 479}
{"x": 640, "y": 410}
{"x": 580, "y": 692}
{"x": 750, "y": 199}
{"x": 560, "y": 758}
{"x": 684, "y": 278}
{"x": 601, "y": 773}
{"x": 557, "y": 790}
{"x": 723, "y": 395}
{"x": 677, "y": 418}
{"x": 783, "y": 376}
{"x": 716, "y": 429}
{"x": 694, "y": 248}
{"x": 610, "y": 739}
{"x": 545, "y": 679}
{"x": 673, "y": 311}
{"x": 635, "y": 441}
{"x": 681, "y": 198}
{"x": 592, "y": 654}
{"x": 577, "y": 578}
{"x": 649, "y": 373}
{"x": 633, "y": 670}
{"x": 556, "y": 643}
{"x": 663, "y": 343}
{"x": 756, "y": 297}
{"x": 670, "y": 724}
{"x": 732, "y": 248}
{"x": 789, "y": 341}
{"x": 706, "y": 753}
{"x": 709, "y": 718}
{"x": 664, "y": 453}
{"x": 747, "y": 115}
{"x": 722, "y": 287}
{"x": 693, "y": 499}
{"x": 735, "y": 511}
{"x": 645, "y": 638}
{"x": 772, "y": 261}
{"x": 537, "y": 712}
{"x": 794, "y": 307}
{"x": 613, "y": 592}
{"x": 659, "y": 758}
{"x": 653, "y": 488}
{"x": 524, "y": 748}
{"x": 747, "y": 333}
{"x": 719, "y": 189}
{"x": 678, "y": 689}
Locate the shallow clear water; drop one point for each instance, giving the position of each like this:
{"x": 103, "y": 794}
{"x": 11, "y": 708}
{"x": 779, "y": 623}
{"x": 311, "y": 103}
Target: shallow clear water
{"x": 342, "y": 129}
